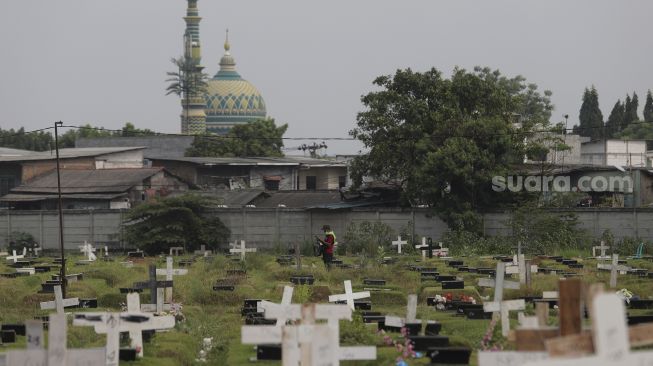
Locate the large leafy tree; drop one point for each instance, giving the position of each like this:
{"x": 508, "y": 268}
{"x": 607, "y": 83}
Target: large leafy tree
{"x": 442, "y": 140}
{"x": 175, "y": 221}
{"x": 590, "y": 117}
{"x": 19, "y": 139}
{"x": 261, "y": 137}
{"x": 648, "y": 107}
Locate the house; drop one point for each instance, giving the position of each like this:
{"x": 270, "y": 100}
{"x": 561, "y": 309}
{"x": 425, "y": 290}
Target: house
{"x": 20, "y": 166}
{"x": 266, "y": 173}
{"x": 95, "y": 189}
{"x": 173, "y": 146}
{"x": 631, "y": 153}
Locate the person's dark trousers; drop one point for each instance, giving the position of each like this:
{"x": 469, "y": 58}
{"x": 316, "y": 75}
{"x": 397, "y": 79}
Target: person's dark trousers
{"x": 327, "y": 258}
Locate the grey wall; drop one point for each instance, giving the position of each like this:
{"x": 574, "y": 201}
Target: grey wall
{"x": 263, "y": 227}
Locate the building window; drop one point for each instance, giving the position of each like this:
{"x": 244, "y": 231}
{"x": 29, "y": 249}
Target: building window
{"x": 271, "y": 185}
{"x": 311, "y": 182}
{"x": 6, "y": 184}
{"x": 342, "y": 181}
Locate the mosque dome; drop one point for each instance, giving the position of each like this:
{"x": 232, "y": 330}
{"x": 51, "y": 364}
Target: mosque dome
{"x": 230, "y": 99}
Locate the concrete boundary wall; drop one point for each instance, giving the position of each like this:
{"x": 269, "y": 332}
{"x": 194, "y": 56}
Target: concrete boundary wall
{"x": 267, "y": 228}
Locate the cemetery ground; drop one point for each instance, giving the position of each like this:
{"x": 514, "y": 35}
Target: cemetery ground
{"x": 217, "y": 314}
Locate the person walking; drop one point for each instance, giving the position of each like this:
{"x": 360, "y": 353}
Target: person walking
{"x": 327, "y": 245}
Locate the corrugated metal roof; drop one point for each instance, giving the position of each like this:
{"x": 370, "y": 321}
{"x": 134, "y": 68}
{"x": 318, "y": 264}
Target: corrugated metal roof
{"x": 9, "y": 152}
{"x": 16, "y": 197}
{"x": 239, "y": 198}
{"x": 88, "y": 181}
{"x": 300, "y": 199}
{"x": 69, "y": 153}
{"x": 258, "y": 161}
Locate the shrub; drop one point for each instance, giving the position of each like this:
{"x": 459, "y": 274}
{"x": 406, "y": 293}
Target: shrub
{"x": 366, "y": 237}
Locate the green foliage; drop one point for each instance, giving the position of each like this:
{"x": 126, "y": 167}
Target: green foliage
{"x": 260, "y": 137}
{"x": 188, "y": 80}
{"x": 462, "y": 242}
{"x": 175, "y": 221}
{"x": 615, "y": 122}
{"x": 366, "y": 237}
{"x": 18, "y": 139}
{"x": 429, "y": 135}
{"x": 630, "y": 109}
{"x": 20, "y": 240}
{"x": 302, "y": 293}
{"x": 591, "y": 118}
{"x": 543, "y": 231}
{"x": 648, "y": 107}
{"x": 355, "y": 332}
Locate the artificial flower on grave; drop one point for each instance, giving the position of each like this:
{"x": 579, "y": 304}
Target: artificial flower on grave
{"x": 624, "y": 294}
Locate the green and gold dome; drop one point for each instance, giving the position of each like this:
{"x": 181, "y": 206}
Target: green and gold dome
{"x": 230, "y": 99}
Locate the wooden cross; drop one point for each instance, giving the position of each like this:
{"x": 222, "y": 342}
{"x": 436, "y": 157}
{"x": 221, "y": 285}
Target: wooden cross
{"x": 57, "y": 354}
{"x": 349, "y": 295}
{"x": 602, "y": 248}
{"x": 59, "y": 302}
{"x": 307, "y": 344}
{"x": 614, "y": 267}
{"x": 169, "y": 272}
{"x": 424, "y": 247}
{"x": 242, "y": 250}
{"x": 14, "y": 258}
{"x": 411, "y": 314}
{"x": 398, "y": 243}
{"x": 133, "y": 321}
{"x": 610, "y": 338}
{"x": 286, "y": 299}
{"x": 153, "y": 285}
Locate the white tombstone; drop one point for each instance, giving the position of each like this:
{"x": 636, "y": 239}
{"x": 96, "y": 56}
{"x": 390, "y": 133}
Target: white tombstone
{"x": 307, "y": 343}
{"x": 169, "y": 272}
{"x": 59, "y": 302}
{"x": 286, "y": 299}
{"x": 349, "y": 295}
{"x": 424, "y": 247}
{"x": 242, "y": 250}
{"x": 30, "y": 270}
{"x": 398, "y": 243}
{"x": 89, "y": 251}
{"x": 411, "y": 314}
{"x": 133, "y": 321}
{"x": 614, "y": 268}
{"x": 611, "y": 342}
{"x": 14, "y": 258}
{"x": 603, "y": 248}
{"x": 56, "y": 354}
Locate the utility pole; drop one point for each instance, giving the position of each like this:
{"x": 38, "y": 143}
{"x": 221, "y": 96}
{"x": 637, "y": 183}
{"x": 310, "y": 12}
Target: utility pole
{"x": 62, "y": 274}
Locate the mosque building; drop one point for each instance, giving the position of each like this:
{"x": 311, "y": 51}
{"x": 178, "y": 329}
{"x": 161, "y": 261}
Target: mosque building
{"x": 228, "y": 99}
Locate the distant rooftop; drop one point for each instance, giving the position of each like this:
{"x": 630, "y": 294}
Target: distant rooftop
{"x": 67, "y": 153}
{"x": 155, "y": 146}
{"x": 262, "y": 161}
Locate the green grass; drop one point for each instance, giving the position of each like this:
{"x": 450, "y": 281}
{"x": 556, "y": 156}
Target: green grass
{"x": 217, "y": 314}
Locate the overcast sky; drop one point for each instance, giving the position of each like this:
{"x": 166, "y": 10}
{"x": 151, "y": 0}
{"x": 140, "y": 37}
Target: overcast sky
{"x": 104, "y": 62}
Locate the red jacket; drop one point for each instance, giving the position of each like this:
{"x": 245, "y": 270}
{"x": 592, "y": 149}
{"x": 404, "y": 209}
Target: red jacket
{"x": 328, "y": 249}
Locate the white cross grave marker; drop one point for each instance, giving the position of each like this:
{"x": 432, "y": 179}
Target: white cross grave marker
{"x": 398, "y": 243}
{"x": 56, "y": 354}
{"x": 169, "y": 272}
{"x": 602, "y": 248}
{"x": 442, "y": 252}
{"x": 59, "y": 302}
{"x": 36, "y": 251}
{"x": 411, "y": 314}
{"x": 310, "y": 343}
{"x": 424, "y": 248}
{"x": 133, "y": 321}
{"x": 286, "y": 299}
{"x": 14, "y": 258}
{"x": 611, "y": 340}
{"x": 88, "y": 251}
{"x": 491, "y": 282}
{"x": 498, "y": 305}
{"x": 614, "y": 268}
{"x": 349, "y": 295}
{"x": 242, "y": 250}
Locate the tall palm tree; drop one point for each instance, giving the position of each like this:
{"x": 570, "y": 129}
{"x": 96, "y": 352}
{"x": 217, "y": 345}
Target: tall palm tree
{"x": 188, "y": 81}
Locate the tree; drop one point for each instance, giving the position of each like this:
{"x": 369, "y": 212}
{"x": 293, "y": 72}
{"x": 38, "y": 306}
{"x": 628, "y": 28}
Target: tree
{"x": 20, "y": 139}
{"x": 630, "y": 109}
{"x": 129, "y": 130}
{"x": 648, "y": 107}
{"x": 175, "y": 221}
{"x": 260, "y": 137}
{"x": 443, "y": 140}
{"x": 615, "y": 122}
{"x": 590, "y": 117}
{"x": 188, "y": 81}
